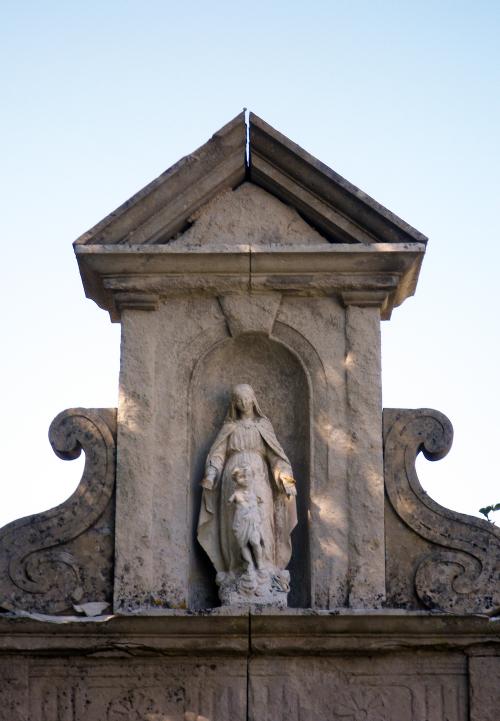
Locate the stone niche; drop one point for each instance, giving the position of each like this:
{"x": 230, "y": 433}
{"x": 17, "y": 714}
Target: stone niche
{"x": 250, "y": 264}
{"x": 280, "y": 380}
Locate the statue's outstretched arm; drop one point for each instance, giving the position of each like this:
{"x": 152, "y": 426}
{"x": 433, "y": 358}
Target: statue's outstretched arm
{"x": 215, "y": 463}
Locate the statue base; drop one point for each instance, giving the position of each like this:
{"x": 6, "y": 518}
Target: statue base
{"x": 267, "y": 587}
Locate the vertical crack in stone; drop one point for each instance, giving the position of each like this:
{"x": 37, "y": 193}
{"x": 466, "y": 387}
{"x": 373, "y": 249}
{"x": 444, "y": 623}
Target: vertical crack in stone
{"x": 249, "y": 656}
{"x": 347, "y": 352}
{"x": 247, "y": 144}
{"x": 250, "y": 269}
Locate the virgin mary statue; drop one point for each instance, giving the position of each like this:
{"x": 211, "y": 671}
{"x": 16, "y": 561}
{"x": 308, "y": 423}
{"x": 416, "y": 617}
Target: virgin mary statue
{"x": 248, "y": 508}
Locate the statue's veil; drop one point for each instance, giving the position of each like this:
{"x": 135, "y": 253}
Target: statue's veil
{"x": 232, "y": 411}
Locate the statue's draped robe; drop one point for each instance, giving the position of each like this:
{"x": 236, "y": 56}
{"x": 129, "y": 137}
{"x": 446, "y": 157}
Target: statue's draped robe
{"x": 252, "y": 443}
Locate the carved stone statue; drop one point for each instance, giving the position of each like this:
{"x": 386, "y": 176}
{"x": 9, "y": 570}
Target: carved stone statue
{"x": 247, "y": 523}
{"x": 248, "y": 509}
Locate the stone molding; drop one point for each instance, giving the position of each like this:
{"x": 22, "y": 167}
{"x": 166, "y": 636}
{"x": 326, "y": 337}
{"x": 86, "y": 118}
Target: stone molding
{"x": 304, "y": 632}
{"x": 381, "y": 274}
{"x": 365, "y": 298}
{"x": 64, "y": 556}
{"x": 459, "y": 568}
{"x": 136, "y": 301}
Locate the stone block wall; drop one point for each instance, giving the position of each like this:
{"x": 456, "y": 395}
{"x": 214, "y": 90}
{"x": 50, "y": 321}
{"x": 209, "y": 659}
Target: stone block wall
{"x": 312, "y": 667}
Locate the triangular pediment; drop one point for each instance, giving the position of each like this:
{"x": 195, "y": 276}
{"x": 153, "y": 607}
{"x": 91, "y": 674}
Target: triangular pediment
{"x": 334, "y": 209}
{"x": 249, "y": 210}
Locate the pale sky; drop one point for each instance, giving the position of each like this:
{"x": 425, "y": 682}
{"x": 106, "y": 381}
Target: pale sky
{"x": 98, "y": 98}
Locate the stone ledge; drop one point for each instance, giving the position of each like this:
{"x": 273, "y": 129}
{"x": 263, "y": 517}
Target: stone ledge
{"x": 377, "y": 632}
{"x": 313, "y": 269}
{"x": 126, "y": 635}
{"x": 298, "y": 633}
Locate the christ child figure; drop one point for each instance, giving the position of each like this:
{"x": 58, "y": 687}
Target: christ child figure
{"x": 246, "y": 520}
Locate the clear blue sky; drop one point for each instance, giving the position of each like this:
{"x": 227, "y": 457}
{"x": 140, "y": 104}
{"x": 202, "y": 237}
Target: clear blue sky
{"x": 402, "y": 98}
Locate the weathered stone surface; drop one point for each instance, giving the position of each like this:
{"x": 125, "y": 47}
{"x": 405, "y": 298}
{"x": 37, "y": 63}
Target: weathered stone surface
{"x": 300, "y": 665}
{"x": 436, "y": 558}
{"x": 365, "y": 472}
{"x": 173, "y": 343}
{"x": 299, "y": 632}
{"x": 163, "y": 633}
{"x": 384, "y": 274}
{"x": 249, "y": 216}
{"x": 135, "y": 493}
{"x": 260, "y": 631}
{"x": 138, "y": 690}
{"x": 314, "y": 329}
{"x": 177, "y": 366}
{"x": 53, "y": 560}
{"x": 484, "y": 687}
{"x": 14, "y": 684}
{"x": 403, "y": 687}
{"x": 250, "y": 312}
{"x": 370, "y": 273}
{"x": 191, "y": 361}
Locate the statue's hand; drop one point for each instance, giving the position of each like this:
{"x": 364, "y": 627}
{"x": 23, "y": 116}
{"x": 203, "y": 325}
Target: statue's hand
{"x": 288, "y": 482}
{"x": 209, "y": 479}
{"x": 207, "y": 483}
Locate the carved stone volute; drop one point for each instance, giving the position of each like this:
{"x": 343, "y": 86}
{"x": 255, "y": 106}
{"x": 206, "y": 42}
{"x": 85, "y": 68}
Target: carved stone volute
{"x": 61, "y": 557}
{"x": 458, "y": 569}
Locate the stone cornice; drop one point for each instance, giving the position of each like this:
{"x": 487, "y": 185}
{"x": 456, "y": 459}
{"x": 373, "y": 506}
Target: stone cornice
{"x": 381, "y": 274}
{"x": 293, "y": 632}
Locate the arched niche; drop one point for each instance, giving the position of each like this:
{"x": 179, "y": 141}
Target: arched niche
{"x": 282, "y": 388}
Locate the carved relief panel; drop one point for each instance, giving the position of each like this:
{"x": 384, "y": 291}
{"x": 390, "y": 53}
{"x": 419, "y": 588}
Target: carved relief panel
{"x": 428, "y": 687}
{"x": 138, "y": 690}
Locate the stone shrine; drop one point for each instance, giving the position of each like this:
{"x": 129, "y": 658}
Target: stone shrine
{"x": 249, "y": 539}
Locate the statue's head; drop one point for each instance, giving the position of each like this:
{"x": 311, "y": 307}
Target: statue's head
{"x": 242, "y": 476}
{"x": 244, "y": 397}
{"x": 243, "y": 400}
